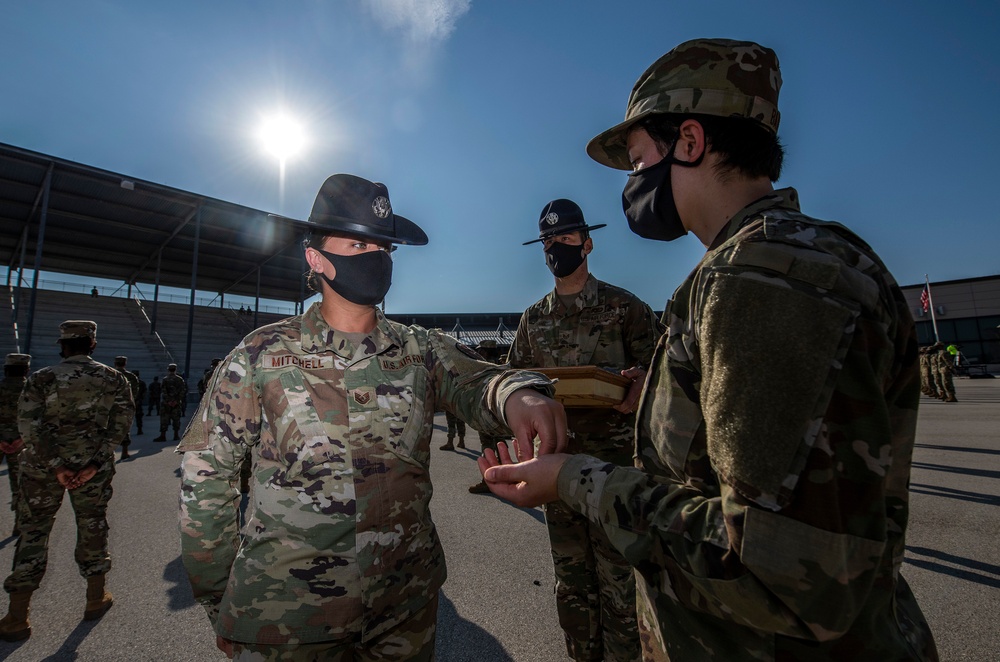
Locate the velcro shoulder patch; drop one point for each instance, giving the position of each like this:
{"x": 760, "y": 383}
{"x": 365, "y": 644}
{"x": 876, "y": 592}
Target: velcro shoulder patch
{"x": 770, "y": 357}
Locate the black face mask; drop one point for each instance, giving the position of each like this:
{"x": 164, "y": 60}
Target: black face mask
{"x": 563, "y": 259}
{"x": 362, "y": 279}
{"x": 648, "y": 200}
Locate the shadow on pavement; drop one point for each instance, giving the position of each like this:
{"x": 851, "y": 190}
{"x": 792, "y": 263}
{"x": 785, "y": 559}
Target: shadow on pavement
{"x": 984, "y": 473}
{"x": 962, "y": 449}
{"x": 962, "y": 572}
{"x": 179, "y": 595}
{"x": 961, "y": 495}
{"x": 459, "y": 640}
{"x": 67, "y": 651}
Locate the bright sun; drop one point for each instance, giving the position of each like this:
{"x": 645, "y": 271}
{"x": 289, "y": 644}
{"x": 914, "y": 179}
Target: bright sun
{"x": 282, "y": 136}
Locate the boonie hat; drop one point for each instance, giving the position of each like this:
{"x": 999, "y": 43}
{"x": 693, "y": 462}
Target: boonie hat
{"x": 17, "y": 359}
{"x": 356, "y": 206}
{"x": 718, "y": 77}
{"x": 561, "y": 216}
{"x": 77, "y": 329}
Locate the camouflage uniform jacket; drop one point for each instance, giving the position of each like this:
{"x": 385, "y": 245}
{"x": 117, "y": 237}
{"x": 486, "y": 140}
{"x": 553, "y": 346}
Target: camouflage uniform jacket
{"x": 338, "y": 540}
{"x": 133, "y": 384}
{"x": 607, "y": 327}
{"x": 173, "y": 389}
{"x": 766, "y": 520}
{"x": 73, "y": 414}
{"x": 10, "y": 393}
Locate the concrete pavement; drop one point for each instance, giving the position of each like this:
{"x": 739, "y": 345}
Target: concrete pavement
{"x": 497, "y": 604}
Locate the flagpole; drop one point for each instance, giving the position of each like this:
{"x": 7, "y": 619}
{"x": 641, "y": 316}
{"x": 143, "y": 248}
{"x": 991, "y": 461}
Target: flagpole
{"x": 930, "y": 300}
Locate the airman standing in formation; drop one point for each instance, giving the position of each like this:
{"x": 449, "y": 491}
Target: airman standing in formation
{"x": 133, "y": 382}
{"x": 15, "y": 373}
{"x": 140, "y": 400}
{"x": 928, "y": 381}
{"x": 155, "y": 389}
{"x": 766, "y": 517}
{"x": 206, "y": 377}
{"x": 71, "y": 416}
{"x": 584, "y": 321}
{"x": 455, "y": 426}
{"x": 173, "y": 392}
{"x": 943, "y": 365}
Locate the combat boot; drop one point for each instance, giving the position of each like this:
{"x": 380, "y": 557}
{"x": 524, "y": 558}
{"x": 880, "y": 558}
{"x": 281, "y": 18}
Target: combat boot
{"x": 15, "y": 626}
{"x": 125, "y": 454}
{"x": 479, "y": 488}
{"x": 99, "y": 600}
{"x": 449, "y": 446}
{"x": 162, "y": 437}
{"x": 461, "y": 442}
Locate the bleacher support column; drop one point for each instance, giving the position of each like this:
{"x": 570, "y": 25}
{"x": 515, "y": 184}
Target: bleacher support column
{"x": 156, "y": 292}
{"x": 39, "y": 243}
{"x": 302, "y": 285}
{"x": 194, "y": 288}
{"x": 256, "y": 301}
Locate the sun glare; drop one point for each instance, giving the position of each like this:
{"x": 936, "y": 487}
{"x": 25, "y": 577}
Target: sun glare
{"x": 282, "y": 136}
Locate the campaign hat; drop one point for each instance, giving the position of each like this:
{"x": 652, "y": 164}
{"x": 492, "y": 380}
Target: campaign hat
{"x": 357, "y": 207}
{"x": 559, "y": 217}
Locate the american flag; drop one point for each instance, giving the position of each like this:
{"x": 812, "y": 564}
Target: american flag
{"x": 925, "y": 297}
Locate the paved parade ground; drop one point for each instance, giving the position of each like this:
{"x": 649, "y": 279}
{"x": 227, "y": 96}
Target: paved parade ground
{"x": 497, "y": 604}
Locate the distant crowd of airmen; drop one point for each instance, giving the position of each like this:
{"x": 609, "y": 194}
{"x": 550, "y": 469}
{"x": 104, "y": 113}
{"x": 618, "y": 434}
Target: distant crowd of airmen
{"x": 58, "y": 432}
{"x": 937, "y": 364}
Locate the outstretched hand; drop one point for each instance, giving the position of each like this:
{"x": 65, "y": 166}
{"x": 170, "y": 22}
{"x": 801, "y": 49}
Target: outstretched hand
{"x": 526, "y": 484}
{"x": 530, "y": 414}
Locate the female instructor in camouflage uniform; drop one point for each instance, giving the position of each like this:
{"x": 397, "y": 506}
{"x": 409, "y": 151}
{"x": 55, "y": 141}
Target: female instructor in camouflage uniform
{"x": 338, "y": 558}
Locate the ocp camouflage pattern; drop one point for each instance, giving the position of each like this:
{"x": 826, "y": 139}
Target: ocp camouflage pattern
{"x": 74, "y": 413}
{"x": 607, "y": 327}
{"x": 767, "y": 518}
{"x": 338, "y": 540}
{"x": 719, "y": 77}
{"x": 10, "y": 393}
{"x": 611, "y": 328}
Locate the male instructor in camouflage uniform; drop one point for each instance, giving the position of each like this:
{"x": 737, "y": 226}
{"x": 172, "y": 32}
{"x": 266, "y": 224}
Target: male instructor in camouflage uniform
{"x": 766, "y": 519}
{"x": 15, "y": 372}
{"x": 584, "y": 321}
{"x": 71, "y": 416}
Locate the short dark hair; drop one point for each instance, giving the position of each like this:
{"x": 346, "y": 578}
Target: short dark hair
{"x": 743, "y": 145}
{"x": 15, "y": 370}
{"x": 76, "y": 346}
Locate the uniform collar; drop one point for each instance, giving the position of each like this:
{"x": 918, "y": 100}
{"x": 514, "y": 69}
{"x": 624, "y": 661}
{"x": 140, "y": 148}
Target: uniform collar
{"x": 78, "y": 358}
{"x": 785, "y": 198}
{"x": 585, "y": 298}
{"x": 318, "y": 336}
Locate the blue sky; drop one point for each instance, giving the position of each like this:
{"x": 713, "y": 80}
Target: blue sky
{"x": 476, "y": 113}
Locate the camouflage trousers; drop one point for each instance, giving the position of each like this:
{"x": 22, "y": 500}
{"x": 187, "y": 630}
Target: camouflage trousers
{"x": 595, "y": 589}
{"x": 412, "y": 640}
{"x": 13, "y": 477}
{"x": 170, "y": 416}
{"x": 455, "y": 424}
{"x": 41, "y": 496}
{"x": 927, "y": 380}
{"x": 945, "y": 384}
{"x": 138, "y": 419}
